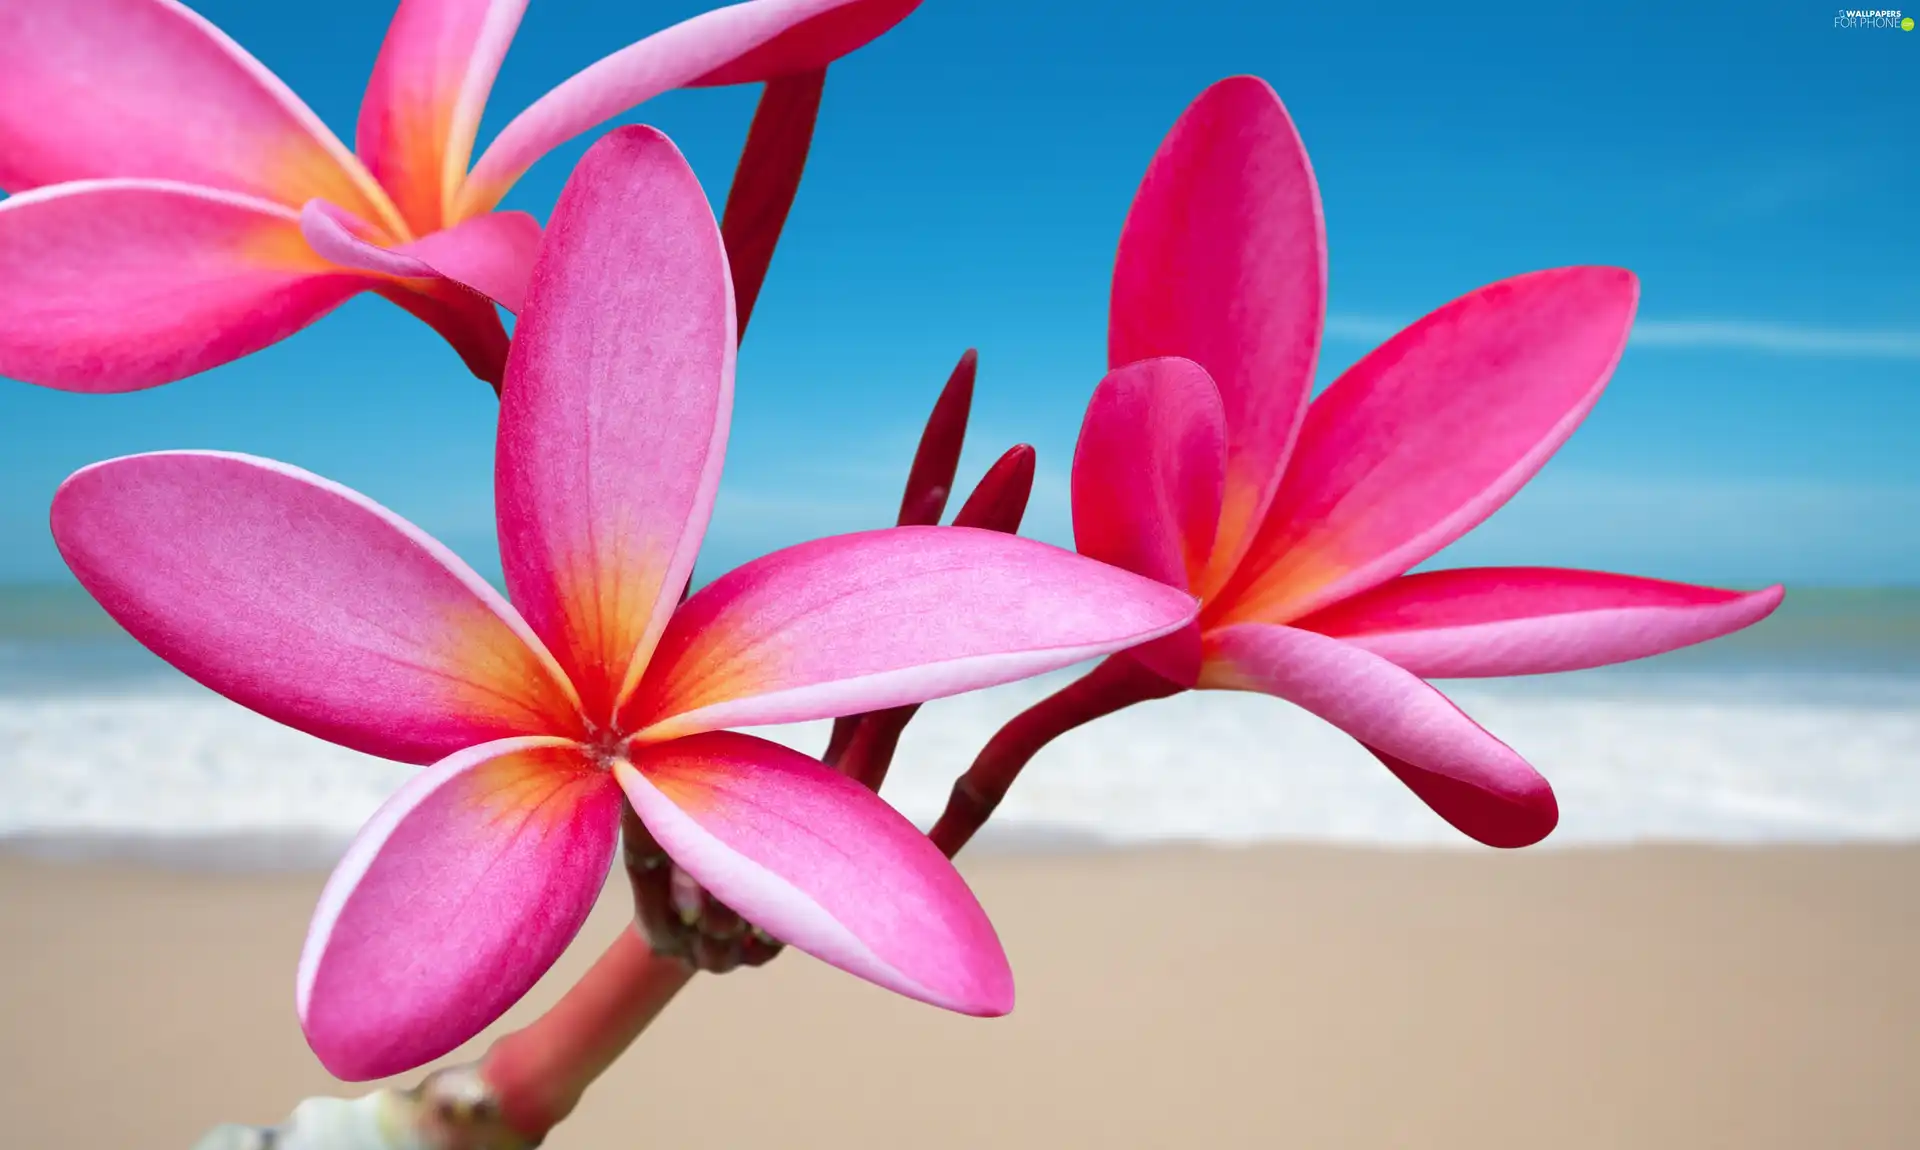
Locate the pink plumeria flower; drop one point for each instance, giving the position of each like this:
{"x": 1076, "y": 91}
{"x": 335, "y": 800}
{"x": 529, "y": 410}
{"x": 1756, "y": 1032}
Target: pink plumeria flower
{"x": 175, "y": 206}
{"x": 1296, "y": 522}
{"x": 316, "y": 607}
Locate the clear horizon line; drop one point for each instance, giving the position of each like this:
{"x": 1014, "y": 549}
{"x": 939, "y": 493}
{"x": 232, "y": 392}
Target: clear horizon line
{"x": 1762, "y": 337}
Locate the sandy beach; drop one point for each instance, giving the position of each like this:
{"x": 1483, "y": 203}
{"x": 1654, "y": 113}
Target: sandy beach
{"x": 1283, "y": 996}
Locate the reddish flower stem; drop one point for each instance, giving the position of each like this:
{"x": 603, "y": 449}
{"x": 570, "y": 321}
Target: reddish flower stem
{"x": 844, "y": 729}
{"x": 465, "y": 319}
{"x": 1113, "y": 685}
{"x": 869, "y": 750}
{"x": 538, "y": 1074}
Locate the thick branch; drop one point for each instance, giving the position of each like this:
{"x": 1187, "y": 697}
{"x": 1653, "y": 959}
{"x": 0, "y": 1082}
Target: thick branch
{"x": 538, "y": 1074}
{"x": 1113, "y": 685}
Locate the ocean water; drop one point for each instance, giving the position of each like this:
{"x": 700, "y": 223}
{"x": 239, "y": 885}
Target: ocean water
{"x": 1803, "y": 729}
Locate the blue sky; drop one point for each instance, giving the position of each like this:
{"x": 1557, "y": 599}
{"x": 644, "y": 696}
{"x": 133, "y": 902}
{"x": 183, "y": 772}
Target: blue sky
{"x": 1754, "y": 165}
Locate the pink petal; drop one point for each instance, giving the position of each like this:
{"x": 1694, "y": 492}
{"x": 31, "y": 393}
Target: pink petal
{"x": 879, "y": 619}
{"x": 1484, "y": 621}
{"x": 1223, "y": 260}
{"x": 491, "y": 254}
{"x": 614, "y": 418}
{"x": 148, "y": 88}
{"x": 741, "y": 43}
{"x": 308, "y": 603}
{"x": 423, "y": 102}
{"x": 113, "y": 285}
{"x": 835, "y": 30}
{"x": 1468, "y": 777}
{"x": 1148, "y": 470}
{"x": 455, "y": 898}
{"x": 1147, "y": 479}
{"x": 1429, "y": 434}
{"x": 820, "y": 862}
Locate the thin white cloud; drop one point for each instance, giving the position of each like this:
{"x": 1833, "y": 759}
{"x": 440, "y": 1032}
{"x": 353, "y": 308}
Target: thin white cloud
{"x": 1360, "y": 328}
{"x": 1705, "y": 528}
{"x": 1706, "y": 335}
{"x": 1777, "y": 339}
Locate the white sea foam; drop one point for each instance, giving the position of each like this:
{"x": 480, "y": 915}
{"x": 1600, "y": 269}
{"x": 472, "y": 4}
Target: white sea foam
{"x": 1732, "y": 759}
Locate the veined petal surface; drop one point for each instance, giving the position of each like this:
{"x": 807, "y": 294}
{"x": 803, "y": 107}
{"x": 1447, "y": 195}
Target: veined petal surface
{"x": 864, "y": 622}
{"x": 456, "y": 897}
{"x": 1223, "y": 260}
{"x": 96, "y": 89}
{"x": 1485, "y": 621}
{"x": 115, "y": 285}
{"x": 308, "y": 603}
{"x": 1467, "y": 776}
{"x": 1428, "y": 435}
{"x": 820, "y": 862}
{"x": 613, "y": 421}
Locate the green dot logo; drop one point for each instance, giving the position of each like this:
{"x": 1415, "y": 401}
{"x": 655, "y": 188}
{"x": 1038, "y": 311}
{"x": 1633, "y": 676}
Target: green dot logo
{"x": 1906, "y": 23}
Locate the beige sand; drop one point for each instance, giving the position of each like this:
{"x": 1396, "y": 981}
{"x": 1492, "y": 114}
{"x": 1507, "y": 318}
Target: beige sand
{"x": 1286, "y": 997}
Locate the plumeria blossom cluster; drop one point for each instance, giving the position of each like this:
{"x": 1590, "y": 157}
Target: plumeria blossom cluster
{"x": 591, "y": 684}
{"x": 174, "y": 206}
{"x": 1202, "y": 463}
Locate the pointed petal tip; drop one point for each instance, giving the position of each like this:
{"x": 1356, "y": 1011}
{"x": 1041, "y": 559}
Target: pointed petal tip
{"x": 1752, "y": 607}
{"x": 996, "y": 1001}
{"x": 752, "y": 42}
{"x": 879, "y": 619}
{"x": 459, "y": 893}
{"x": 1242, "y": 85}
{"x": 631, "y": 136}
{"x": 115, "y": 285}
{"x": 823, "y": 864}
{"x": 1482, "y": 622}
{"x": 1480, "y": 785}
{"x": 1520, "y": 817}
{"x": 1606, "y": 285}
{"x": 305, "y": 602}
